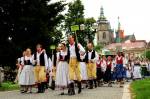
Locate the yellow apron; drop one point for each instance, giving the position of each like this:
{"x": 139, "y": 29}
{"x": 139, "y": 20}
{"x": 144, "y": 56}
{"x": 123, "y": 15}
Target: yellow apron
{"x": 40, "y": 74}
{"x": 74, "y": 70}
{"x": 91, "y": 70}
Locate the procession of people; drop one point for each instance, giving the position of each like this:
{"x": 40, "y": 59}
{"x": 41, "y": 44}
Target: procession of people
{"x": 72, "y": 66}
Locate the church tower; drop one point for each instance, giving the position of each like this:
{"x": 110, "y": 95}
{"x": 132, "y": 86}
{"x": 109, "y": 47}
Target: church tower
{"x": 104, "y": 33}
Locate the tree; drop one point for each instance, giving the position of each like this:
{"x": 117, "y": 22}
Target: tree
{"x": 98, "y": 48}
{"x": 75, "y": 16}
{"x": 24, "y": 23}
{"x": 147, "y": 54}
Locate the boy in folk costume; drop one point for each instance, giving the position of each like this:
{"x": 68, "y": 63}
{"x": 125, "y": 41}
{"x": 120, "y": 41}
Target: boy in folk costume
{"x": 91, "y": 58}
{"x": 41, "y": 65}
{"x": 120, "y": 64}
{"x": 74, "y": 69}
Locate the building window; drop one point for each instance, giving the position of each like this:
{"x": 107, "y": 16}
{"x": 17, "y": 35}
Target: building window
{"x": 104, "y": 35}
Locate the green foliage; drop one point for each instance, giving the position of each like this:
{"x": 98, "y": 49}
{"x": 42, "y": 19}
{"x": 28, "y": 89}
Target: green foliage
{"x": 147, "y": 54}
{"x": 98, "y": 48}
{"x": 140, "y": 89}
{"x": 28, "y": 22}
{"x": 7, "y": 86}
{"x": 75, "y": 16}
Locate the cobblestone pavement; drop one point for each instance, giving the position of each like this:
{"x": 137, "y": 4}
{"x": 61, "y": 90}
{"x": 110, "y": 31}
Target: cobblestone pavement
{"x": 99, "y": 93}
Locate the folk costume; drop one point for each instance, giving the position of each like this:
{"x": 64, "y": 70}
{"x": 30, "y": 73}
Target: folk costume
{"x": 83, "y": 67}
{"x": 41, "y": 66}
{"x": 27, "y": 74}
{"x": 98, "y": 72}
{"x": 120, "y": 69}
{"x": 108, "y": 74}
{"x": 137, "y": 71}
{"x": 91, "y": 58}
{"x": 74, "y": 68}
{"x": 62, "y": 77}
{"x": 55, "y": 59}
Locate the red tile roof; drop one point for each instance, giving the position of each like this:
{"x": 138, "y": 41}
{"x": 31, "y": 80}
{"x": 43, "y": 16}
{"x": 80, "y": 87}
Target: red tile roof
{"x": 127, "y": 45}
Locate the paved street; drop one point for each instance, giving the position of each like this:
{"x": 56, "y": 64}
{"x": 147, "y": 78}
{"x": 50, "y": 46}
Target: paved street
{"x": 99, "y": 93}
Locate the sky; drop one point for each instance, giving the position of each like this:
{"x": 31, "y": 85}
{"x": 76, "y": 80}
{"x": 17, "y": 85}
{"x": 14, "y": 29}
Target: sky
{"x": 134, "y": 15}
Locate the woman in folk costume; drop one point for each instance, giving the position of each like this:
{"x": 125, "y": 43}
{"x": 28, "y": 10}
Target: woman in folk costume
{"x": 108, "y": 72}
{"x": 27, "y": 75}
{"x": 83, "y": 68}
{"x": 120, "y": 68}
{"x": 62, "y": 78}
{"x": 137, "y": 70}
{"x": 41, "y": 65}
{"x": 74, "y": 68}
{"x": 91, "y": 58}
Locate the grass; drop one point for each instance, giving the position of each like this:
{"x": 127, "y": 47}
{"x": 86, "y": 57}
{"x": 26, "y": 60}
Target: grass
{"x": 141, "y": 89}
{"x": 8, "y": 86}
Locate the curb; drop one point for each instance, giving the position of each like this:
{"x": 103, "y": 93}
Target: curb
{"x": 126, "y": 92}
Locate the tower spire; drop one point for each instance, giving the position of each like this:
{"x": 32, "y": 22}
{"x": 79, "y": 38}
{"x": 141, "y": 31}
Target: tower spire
{"x": 102, "y": 13}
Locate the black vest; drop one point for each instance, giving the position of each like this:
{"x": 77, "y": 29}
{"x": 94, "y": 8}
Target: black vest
{"x": 76, "y": 50}
{"x": 27, "y": 62}
{"x": 61, "y": 57}
{"x": 41, "y": 58}
{"x": 92, "y": 56}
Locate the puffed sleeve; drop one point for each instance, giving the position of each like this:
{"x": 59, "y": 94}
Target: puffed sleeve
{"x": 81, "y": 48}
{"x": 46, "y": 60}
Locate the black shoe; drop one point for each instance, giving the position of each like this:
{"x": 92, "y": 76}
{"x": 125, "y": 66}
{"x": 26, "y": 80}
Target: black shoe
{"x": 80, "y": 87}
{"x": 79, "y": 91}
{"x": 62, "y": 93}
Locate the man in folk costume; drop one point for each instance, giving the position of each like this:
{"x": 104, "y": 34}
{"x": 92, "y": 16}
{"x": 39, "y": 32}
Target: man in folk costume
{"x": 120, "y": 63}
{"x": 91, "y": 58}
{"x": 41, "y": 65}
{"x": 74, "y": 69}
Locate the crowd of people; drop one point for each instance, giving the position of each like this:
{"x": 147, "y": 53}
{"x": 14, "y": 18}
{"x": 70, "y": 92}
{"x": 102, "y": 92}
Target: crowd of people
{"x": 72, "y": 66}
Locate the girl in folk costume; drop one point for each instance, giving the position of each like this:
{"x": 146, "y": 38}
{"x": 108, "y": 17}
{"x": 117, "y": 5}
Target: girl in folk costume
{"x": 91, "y": 58}
{"x": 83, "y": 68}
{"x": 98, "y": 71}
{"x": 120, "y": 68}
{"x": 20, "y": 67}
{"x": 62, "y": 78}
{"x": 55, "y": 60}
{"x": 108, "y": 72}
{"x": 137, "y": 70}
{"x": 113, "y": 70}
{"x": 41, "y": 65}
{"x": 27, "y": 75}
{"x": 129, "y": 71}
{"x": 103, "y": 66}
